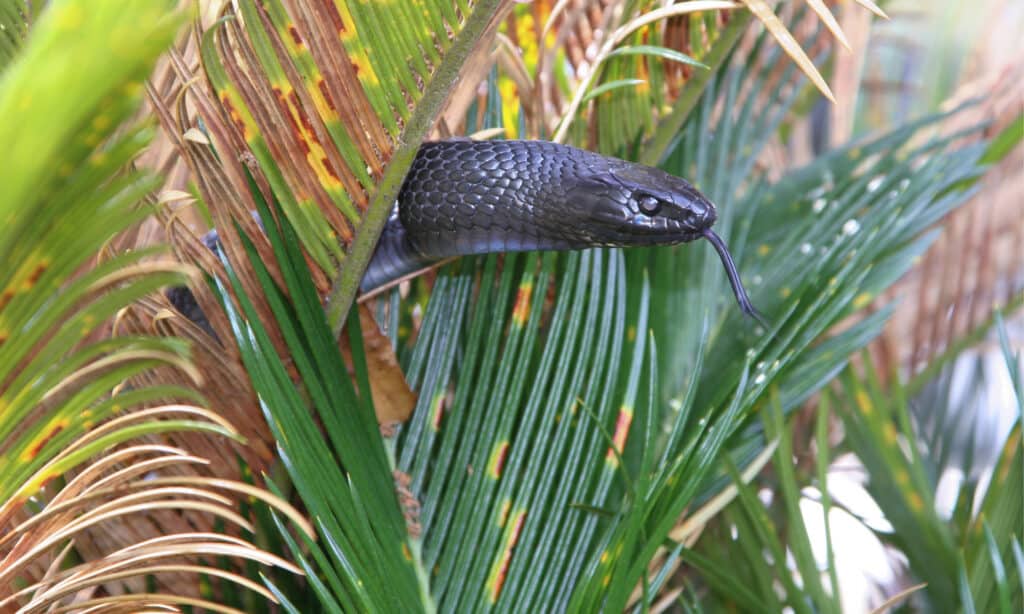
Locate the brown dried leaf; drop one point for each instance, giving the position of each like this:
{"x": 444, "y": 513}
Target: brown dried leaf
{"x": 392, "y": 397}
{"x": 763, "y": 11}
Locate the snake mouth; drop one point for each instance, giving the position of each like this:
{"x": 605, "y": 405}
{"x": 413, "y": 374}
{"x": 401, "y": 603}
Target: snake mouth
{"x": 734, "y": 276}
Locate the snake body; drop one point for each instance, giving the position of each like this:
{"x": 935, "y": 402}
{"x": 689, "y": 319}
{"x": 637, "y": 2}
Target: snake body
{"x": 463, "y": 197}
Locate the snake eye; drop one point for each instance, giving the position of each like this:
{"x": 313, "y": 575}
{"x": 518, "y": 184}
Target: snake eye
{"x": 649, "y": 205}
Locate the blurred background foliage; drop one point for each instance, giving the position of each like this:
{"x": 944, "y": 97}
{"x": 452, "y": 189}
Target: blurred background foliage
{"x": 593, "y": 431}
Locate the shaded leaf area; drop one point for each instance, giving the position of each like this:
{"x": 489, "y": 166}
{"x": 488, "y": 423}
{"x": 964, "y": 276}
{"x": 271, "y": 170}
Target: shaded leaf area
{"x": 966, "y": 560}
{"x": 80, "y": 454}
{"x": 970, "y": 560}
{"x": 517, "y": 513}
{"x": 363, "y": 559}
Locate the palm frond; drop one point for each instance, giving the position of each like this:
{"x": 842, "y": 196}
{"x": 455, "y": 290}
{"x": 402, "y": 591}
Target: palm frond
{"x": 74, "y": 456}
{"x": 366, "y": 561}
{"x": 939, "y": 550}
{"x": 512, "y": 534}
{"x": 529, "y": 363}
{"x": 298, "y": 106}
{"x": 571, "y": 50}
{"x": 962, "y": 559}
{"x": 293, "y": 109}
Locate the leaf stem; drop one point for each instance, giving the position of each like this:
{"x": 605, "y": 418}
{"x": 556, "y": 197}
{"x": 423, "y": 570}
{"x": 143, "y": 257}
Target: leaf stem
{"x": 669, "y": 126}
{"x": 345, "y": 285}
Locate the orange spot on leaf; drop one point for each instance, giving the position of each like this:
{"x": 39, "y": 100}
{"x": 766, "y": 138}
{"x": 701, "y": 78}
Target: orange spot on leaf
{"x": 522, "y": 308}
{"x": 5, "y": 298}
{"x": 34, "y": 450}
{"x": 293, "y": 98}
{"x": 336, "y": 21}
{"x": 497, "y": 463}
{"x": 36, "y": 274}
{"x": 438, "y": 412}
{"x": 236, "y": 117}
{"x": 621, "y": 433}
{"x": 501, "y": 569}
{"x": 330, "y": 169}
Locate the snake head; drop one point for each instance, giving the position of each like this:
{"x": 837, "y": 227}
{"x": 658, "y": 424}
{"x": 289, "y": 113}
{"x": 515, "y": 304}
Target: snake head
{"x": 635, "y": 204}
{"x": 638, "y": 204}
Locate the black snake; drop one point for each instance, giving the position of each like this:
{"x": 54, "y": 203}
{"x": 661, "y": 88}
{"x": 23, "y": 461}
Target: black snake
{"x": 464, "y": 197}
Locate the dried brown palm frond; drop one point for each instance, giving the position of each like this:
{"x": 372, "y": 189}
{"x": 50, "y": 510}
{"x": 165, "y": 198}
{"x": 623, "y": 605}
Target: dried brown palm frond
{"x": 107, "y": 508}
{"x": 581, "y": 43}
{"x": 85, "y": 474}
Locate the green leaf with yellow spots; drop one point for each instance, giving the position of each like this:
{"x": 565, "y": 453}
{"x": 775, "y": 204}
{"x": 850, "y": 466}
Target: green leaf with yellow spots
{"x": 67, "y": 98}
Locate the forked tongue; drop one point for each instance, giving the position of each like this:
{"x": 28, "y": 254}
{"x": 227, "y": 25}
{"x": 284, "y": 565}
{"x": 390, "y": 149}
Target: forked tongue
{"x": 734, "y": 277}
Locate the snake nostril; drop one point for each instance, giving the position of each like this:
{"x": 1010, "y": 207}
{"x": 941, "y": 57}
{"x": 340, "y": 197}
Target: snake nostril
{"x": 700, "y": 215}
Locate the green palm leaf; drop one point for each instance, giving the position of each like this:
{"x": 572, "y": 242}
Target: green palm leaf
{"x": 506, "y": 404}
{"x": 65, "y": 199}
{"x": 977, "y": 544}
{"x": 365, "y": 559}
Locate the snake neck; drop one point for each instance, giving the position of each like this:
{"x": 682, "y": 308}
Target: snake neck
{"x": 462, "y": 197}
{"x": 394, "y": 257}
